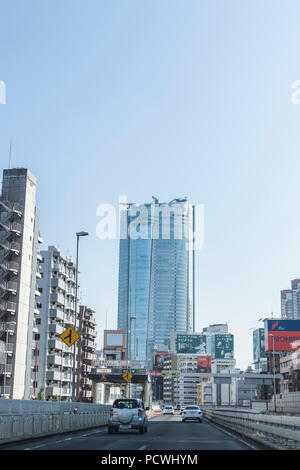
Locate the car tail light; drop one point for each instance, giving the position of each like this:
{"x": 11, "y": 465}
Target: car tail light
{"x": 184, "y": 412}
{"x": 111, "y": 411}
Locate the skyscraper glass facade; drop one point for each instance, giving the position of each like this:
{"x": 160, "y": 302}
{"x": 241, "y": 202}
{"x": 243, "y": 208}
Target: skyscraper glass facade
{"x": 156, "y": 275}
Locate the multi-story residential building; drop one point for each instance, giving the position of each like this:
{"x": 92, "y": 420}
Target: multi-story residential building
{"x": 19, "y": 238}
{"x": 290, "y": 369}
{"x": 56, "y": 313}
{"x": 86, "y": 352}
{"x": 156, "y": 275}
{"x": 290, "y": 301}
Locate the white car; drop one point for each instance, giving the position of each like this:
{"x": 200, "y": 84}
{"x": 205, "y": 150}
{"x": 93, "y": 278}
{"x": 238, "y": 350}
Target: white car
{"x": 192, "y": 412}
{"x": 128, "y": 413}
{"x": 169, "y": 410}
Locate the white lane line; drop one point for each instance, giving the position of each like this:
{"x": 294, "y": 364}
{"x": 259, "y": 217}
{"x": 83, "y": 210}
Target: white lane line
{"x": 142, "y": 448}
{"x": 36, "y": 447}
{"x": 68, "y": 439}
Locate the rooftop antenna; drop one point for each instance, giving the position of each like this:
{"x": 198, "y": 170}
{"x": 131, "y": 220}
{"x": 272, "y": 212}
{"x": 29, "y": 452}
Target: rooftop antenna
{"x": 9, "y": 158}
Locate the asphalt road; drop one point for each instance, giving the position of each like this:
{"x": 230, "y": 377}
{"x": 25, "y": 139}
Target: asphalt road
{"x": 164, "y": 433}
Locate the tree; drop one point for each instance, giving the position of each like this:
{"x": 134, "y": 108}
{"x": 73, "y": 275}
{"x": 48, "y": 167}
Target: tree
{"x": 41, "y": 394}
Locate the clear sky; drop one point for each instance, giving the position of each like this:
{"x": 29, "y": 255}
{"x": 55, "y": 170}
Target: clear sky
{"x": 166, "y": 98}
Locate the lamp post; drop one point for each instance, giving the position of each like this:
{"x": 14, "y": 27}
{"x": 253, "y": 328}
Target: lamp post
{"x": 78, "y": 235}
{"x": 132, "y": 317}
{"x": 274, "y": 375}
{"x": 6, "y": 350}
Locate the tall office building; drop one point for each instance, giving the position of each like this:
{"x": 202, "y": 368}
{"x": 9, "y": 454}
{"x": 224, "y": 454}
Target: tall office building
{"x": 56, "y": 313}
{"x": 290, "y": 301}
{"x": 156, "y": 274}
{"x": 19, "y": 238}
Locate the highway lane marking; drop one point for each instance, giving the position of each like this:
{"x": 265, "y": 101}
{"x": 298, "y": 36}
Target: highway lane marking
{"x": 36, "y": 447}
{"x": 142, "y": 448}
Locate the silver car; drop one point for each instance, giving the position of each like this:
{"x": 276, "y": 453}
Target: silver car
{"x": 192, "y": 412}
{"x": 128, "y": 413}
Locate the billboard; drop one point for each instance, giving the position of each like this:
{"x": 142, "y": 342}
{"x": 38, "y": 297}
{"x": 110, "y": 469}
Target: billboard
{"x": 159, "y": 359}
{"x": 259, "y": 344}
{"x": 204, "y": 364}
{"x": 191, "y": 344}
{"x": 223, "y": 346}
{"x": 284, "y": 333}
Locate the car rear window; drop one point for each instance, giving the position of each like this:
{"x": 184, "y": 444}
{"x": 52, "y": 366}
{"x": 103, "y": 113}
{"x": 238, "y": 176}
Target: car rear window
{"x": 127, "y": 404}
{"x": 192, "y": 408}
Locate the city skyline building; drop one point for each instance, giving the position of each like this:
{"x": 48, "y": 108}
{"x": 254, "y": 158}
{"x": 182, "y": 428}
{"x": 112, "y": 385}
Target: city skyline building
{"x": 86, "y": 352}
{"x": 56, "y": 314}
{"x": 19, "y": 238}
{"x": 290, "y": 301}
{"x": 156, "y": 274}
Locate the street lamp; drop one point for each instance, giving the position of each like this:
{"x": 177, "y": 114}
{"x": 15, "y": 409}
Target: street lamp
{"x": 132, "y": 317}
{"x": 78, "y": 235}
{"x": 274, "y": 374}
{"x": 6, "y": 350}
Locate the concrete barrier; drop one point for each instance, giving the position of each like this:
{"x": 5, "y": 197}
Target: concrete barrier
{"x": 280, "y": 432}
{"x": 26, "y": 419}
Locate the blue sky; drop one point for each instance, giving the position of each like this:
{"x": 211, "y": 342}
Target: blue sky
{"x": 167, "y": 98}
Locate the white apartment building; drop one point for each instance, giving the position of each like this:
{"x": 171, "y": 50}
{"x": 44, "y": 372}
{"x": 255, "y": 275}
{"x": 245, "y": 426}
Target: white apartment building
{"x": 56, "y": 313}
{"x": 19, "y": 238}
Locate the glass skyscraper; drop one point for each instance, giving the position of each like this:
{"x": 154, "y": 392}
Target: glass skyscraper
{"x": 156, "y": 274}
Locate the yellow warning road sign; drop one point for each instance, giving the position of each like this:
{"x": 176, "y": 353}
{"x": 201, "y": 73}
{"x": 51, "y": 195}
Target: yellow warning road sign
{"x": 69, "y": 336}
{"x": 127, "y": 376}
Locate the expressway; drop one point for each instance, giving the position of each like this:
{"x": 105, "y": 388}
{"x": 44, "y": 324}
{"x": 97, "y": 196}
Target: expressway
{"x": 164, "y": 433}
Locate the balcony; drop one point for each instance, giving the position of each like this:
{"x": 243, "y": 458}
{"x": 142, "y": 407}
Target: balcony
{"x": 59, "y": 267}
{"x": 52, "y": 391}
{"x": 88, "y": 344}
{"x": 56, "y": 314}
{"x": 86, "y": 393}
{"x": 90, "y": 319}
{"x": 10, "y": 247}
{"x": 53, "y": 375}
{"x": 87, "y": 356}
{"x": 9, "y": 287}
{"x": 8, "y": 369}
{"x": 85, "y": 368}
{"x": 4, "y": 327}
{"x": 89, "y": 332}
{"x": 66, "y": 377}
{"x": 57, "y": 298}
{"x": 54, "y": 328}
{"x": 55, "y": 344}
{"x": 12, "y": 207}
{"x": 54, "y": 359}
{"x": 5, "y": 391}
{"x": 58, "y": 282}
{"x": 8, "y": 307}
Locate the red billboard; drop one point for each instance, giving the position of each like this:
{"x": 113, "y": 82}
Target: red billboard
{"x": 204, "y": 364}
{"x": 283, "y": 334}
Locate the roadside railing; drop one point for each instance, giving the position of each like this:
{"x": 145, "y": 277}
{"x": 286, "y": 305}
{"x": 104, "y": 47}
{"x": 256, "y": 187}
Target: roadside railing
{"x": 27, "y": 419}
{"x": 282, "y": 432}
